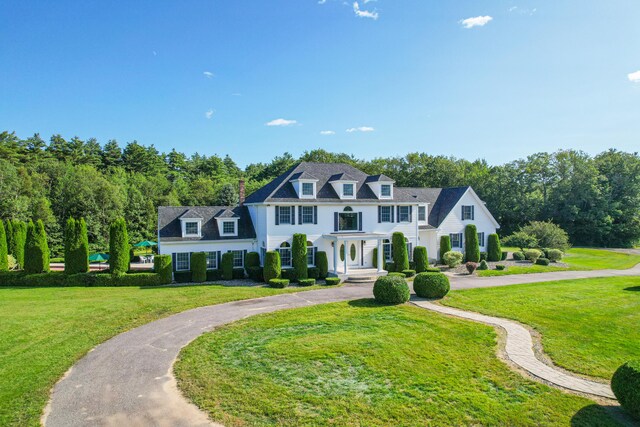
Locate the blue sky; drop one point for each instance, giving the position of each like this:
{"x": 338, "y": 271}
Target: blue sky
{"x": 374, "y": 78}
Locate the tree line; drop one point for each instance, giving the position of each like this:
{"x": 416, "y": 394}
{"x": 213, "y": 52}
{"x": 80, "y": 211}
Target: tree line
{"x": 595, "y": 199}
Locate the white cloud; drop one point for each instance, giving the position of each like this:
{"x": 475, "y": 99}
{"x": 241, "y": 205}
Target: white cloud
{"x": 209, "y": 113}
{"x": 327, "y": 132}
{"x": 634, "y": 77}
{"x": 477, "y": 21}
{"x": 208, "y": 74}
{"x": 281, "y": 122}
{"x": 364, "y": 13}
{"x": 322, "y": 1}
{"x": 361, "y": 129}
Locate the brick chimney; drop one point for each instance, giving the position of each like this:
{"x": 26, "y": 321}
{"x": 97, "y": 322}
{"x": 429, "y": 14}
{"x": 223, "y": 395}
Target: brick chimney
{"x": 241, "y": 192}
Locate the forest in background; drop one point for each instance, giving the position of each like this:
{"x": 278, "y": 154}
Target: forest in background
{"x": 596, "y": 199}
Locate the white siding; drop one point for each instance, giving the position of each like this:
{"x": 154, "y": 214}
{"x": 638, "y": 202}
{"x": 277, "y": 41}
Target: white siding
{"x": 206, "y": 246}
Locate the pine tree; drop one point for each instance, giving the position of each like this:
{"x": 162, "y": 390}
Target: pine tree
{"x": 69, "y": 246}
{"x": 36, "y": 250}
{"x": 82, "y": 255}
{"x": 4, "y": 260}
{"x": 471, "y": 244}
{"x": 18, "y": 240}
{"x": 118, "y": 247}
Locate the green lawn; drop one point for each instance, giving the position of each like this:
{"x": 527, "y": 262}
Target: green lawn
{"x": 43, "y": 331}
{"x": 360, "y": 364}
{"x": 589, "y": 326}
{"x": 577, "y": 259}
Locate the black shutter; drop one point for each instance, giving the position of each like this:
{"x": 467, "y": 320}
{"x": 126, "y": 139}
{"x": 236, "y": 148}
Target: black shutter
{"x": 293, "y": 215}
{"x": 218, "y": 256}
{"x": 473, "y": 213}
{"x": 335, "y": 221}
{"x": 359, "y": 221}
{"x": 379, "y": 214}
{"x": 392, "y": 219}
{"x": 315, "y": 214}
{"x": 190, "y": 255}
{"x": 410, "y": 213}
{"x": 244, "y": 256}
{"x": 462, "y": 217}
{"x": 460, "y": 237}
{"x": 173, "y": 261}
{"x": 277, "y": 215}
{"x": 299, "y": 214}
{"x": 398, "y": 213}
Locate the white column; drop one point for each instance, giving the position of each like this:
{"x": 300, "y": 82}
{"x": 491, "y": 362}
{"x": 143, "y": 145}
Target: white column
{"x": 335, "y": 256}
{"x": 380, "y": 256}
{"x": 346, "y": 257}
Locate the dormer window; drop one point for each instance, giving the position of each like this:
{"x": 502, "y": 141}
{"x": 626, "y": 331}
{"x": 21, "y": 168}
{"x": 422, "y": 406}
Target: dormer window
{"x": 228, "y": 227}
{"x": 191, "y": 228}
{"x": 347, "y": 190}
{"x": 385, "y": 190}
{"x": 307, "y": 189}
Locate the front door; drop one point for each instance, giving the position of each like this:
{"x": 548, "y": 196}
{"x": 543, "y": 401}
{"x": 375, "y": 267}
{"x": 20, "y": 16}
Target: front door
{"x": 353, "y": 253}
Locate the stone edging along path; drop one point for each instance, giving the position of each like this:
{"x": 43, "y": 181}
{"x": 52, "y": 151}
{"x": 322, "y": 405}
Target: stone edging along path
{"x": 128, "y": 379}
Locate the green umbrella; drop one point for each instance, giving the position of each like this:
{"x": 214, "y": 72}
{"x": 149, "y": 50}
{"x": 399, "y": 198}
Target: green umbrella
{"x": 146, "y": 243}
{"x": 99, "y": 257}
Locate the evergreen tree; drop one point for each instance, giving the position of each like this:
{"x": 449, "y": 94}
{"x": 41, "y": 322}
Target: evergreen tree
{"x": 82, "y": 256}
{"x": 4, "y": 260}
{"x": 471, "y": 244}
{"x": 76, "y": 247}
{"x": 228, "y": 196}
{"x": 36, "y": 252}
{"x": 69, "y": 246}
{"x": 18, "y": 240}
{"x": 9, "y": 234}
{"x": 400, "y": 253}
{"x": 118, "y": 247}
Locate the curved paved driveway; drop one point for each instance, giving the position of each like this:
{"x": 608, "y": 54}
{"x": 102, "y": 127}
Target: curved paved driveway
{"x": 128, "y": 380}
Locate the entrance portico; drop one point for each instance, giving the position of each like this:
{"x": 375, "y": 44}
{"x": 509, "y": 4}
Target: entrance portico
{"x": 349, "y": 240}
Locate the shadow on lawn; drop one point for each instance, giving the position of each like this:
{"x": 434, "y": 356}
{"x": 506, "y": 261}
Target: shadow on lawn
{"x": 633, "y": 289}
{"x": 589, "y": 415}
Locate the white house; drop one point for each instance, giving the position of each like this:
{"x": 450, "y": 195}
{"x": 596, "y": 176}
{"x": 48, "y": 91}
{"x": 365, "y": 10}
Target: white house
{"x": 342, "y": 211}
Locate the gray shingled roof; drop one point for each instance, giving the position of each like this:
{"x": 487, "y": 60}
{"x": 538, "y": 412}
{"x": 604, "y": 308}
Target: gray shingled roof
{"x": 170, "y": 228}
{"x": 191, "y": 214}
{"x": 379, "y": 178}
{"x": 227, "y": 213}
{"x": 441, "y": 200}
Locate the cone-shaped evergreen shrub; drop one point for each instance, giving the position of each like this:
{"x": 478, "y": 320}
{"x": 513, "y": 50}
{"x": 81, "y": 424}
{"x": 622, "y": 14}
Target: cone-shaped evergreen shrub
{"x": 420, "y": 259}
{"x": 9, "y": 234}
{"x": 36, "y": 250}
{"x": 199, "y": 267}
{"x": 299, "y": 255}
{"x": 163, "y": 265}
{"x": 322, "y": 263}
{"x": 76, "y": 247}
{"x": 227, "y": 266}
{"x": 82, "y": 252}
{"x": 251, "y": 259}
{"x": 494, "y": 250}
{"x": 69, "y": 246}
{"x": 471, "y": 246}
{"x": 18, "y": 240}
{"x": 4, "y": 255}
{"x": 400, "y": 255}
{"x": 445, "y": 246}
{"x": 118, "y": 247}
{"x": 272, "y": 266}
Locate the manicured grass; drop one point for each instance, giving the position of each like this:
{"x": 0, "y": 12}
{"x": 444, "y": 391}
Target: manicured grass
{"x": 43, "y": 331}
{"x": 360, "y": 364}
{"x": 577, "y": 259}
{"x": 589, "y": 326}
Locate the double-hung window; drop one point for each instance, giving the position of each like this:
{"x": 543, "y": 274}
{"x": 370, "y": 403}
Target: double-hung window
{"x": 307, "y": 189}
{"x": 228, "y": 227}
{"x": 385, "y": 190}
{"x": 285, "y": 215}
{"x": 387, "y": 250}
{"x": 311, "y": 254}
{"x": 456, "y": 240}
{"x": 467, "y": 213}
{"x": 212, "y": 260}
{"x": 422, "y": 213}
{"x": 182, "y": 261}
{"x": 403, "y": 214}
{"x": 307, "y": 214}
{"x": 191, "y": 228}
{"x": 238, "y": 258}
{"x": 481, "y": 239}
{"x": 385, "y": 213}
{"x": 347, "y": 190}
{"x": 285, "y": 254}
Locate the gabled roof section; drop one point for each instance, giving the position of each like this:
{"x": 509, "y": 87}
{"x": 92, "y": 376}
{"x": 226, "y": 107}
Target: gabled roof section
{"x": 191, "y": 214}
{"x": 342, "y": 177}
{"x": 379, "y": 178}
{"x": 170, "y": 230}
{"x": 441, "y": 200}
{"x": 302, "y": 176}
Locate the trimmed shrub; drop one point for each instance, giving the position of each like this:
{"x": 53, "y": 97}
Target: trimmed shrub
{"x": 81, "y": 255}
{"x": 554, "y": 255}
{"x": 272, "y": 269}
{"x": 532, "y": 255}
{"x": 307, "y": 282}
{"x": 483, "y": 256}
{"x": 420, "y": 259}
{"x": 625, "y": 384}
{"x": 256, "y": 273}
{"x": 483, "y": 265}
{"x": 494, "y": 249}
{"x": 519, "y": 256}
{"x": 237, "y": 273}
{"x": 332, "y": 281}
{"x": 313, "y": 272}
{"x": 548, "y": 235}
{"x": 17, "y": 241}
{"x": 118, "y": 247}
{"x": 471, "y": 245}
{"x": 445, "y": 246}
{"x": 73, "y": 261}
{"x": 198, "y": 267}
{"x": 431, "y": 285}
{"x": 452, "y": 259}
{"x": 391, "y": 290}
{"x": 299, "y": 255}
{"x": 182, "y": 276}
{"x": 521, "y": 240}
{"x": 9, "y": 237}
{"x": 11, "y": 261}
{"x": 396, "y": 274}
{"x": 375, "y": 257}
{"x": 322, "y": 263}
{"x": 471, "y": 266}
{"x": 227, "y": 266}
{"x": 542, "y": 261}
{"x": 279, "y": 283}
{"x": 433, "y": 270}
{"x": 251, "y": 259}
{"x": 214, "y": 275}
{"x": 36, "y": 250}
{"x": 163, "y": 267}
{"x": 399, "y": 249}
{"x": 501, "y": 267}
{"x": 409, "y": 273}
{"x": 504, "y": 256}
{"x": 60, "y": 279}
{"x": 289, "y": 274}
{"x": 4, "y": 254}
{"x": 390, "y": 266}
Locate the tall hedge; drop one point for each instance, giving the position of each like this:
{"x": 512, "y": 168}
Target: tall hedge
{"x": 70, "y": 242}
{"x": 420, "y": 259}
{"x": 494, "y": 250}
{"x": 471, "y": 245}
{"x": 4, "y": 259}
{"x": 375, "y": 258}
{"x": 400, "y": 255}
{"x": 76, "y": 247}
{"x": 227, "y": 266}
{"x": 445, "y": 246}
{"x": 299, "y": 255}
{"x": 36, "y": 249}
{"x": 198, "y": 267}
{"x": 118, "y": 247}
{"x": 251, "y": 259}
{"x": 272, "y": 266}
{"x": 322, "y": 263}
{"x": 18, "y": 240}
{"x": 163, "y": 265}
{"x": 82, "y": 255}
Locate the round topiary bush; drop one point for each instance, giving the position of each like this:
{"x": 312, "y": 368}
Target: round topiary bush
{"x": 518, "y": 256}
{"x": 625, "y": 384}
{"x": 554, "y": 255}
{"x": 409, "y": 273}
{"x": 471, "y": 267}
{"x": 396, "y": 274}
{"x": 279, "y": 283}
{"x": 391, "y": 290}
{"x": 431, "y": 285}
{"x": 307, "y": 282}
{"x": 332, "y": 281}
{"x": 542, "y": 261}
{"x": 501, "y": 267}
{"x": 532, "y": 254}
